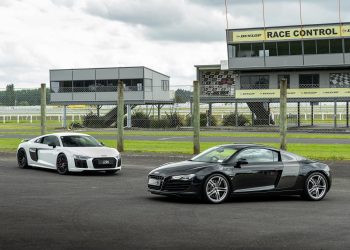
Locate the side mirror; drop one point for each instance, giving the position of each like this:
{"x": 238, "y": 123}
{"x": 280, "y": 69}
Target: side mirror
{"x": 53, "y": 145}
{"x": 241, "y": 162}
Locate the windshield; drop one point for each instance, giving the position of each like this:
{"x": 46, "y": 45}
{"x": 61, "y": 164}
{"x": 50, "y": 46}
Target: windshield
{"x": 79, "y": 141}
{"x": 216, "y": 154}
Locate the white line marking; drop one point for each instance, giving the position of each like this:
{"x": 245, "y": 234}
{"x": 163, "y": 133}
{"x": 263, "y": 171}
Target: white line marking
{"x": 170, "y": 138}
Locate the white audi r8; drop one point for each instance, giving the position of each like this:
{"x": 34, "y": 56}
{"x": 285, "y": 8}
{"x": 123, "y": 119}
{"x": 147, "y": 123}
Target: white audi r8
{"x": 68, "y": 152}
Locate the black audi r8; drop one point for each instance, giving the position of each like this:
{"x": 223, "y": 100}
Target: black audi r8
{"x": 242, "y": 169}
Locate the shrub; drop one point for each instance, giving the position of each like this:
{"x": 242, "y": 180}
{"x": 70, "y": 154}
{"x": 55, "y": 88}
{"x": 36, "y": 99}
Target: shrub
{"x": 162, "y": 123}
{"x": 175, "y": 120}
{"x": 230, "y": 120}
{"x": 202, "y": 120}
{"x": 140, "y": 120}
{"x": 93, "y": 121}
{"x": 74, "y": 125}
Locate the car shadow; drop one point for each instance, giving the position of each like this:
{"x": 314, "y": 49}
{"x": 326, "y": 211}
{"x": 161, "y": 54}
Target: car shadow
{"x": 84, "y": 173}
{"x": 243, "y": 199}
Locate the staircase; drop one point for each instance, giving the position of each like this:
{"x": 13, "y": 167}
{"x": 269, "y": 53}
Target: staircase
{"x": 261, "y": 113}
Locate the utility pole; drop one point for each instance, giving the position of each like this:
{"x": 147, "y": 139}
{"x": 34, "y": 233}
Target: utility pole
{"x": 283, "y": 114}
{"x": 43, "y": 108}
{"x": 195, "y": 118}
{"x": 120, "y": 117}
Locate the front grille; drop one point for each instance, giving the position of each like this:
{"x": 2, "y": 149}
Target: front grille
{"x": 176, "y": 185}
{"x": 158, "y": 178}
{"x": 101, "y": 162}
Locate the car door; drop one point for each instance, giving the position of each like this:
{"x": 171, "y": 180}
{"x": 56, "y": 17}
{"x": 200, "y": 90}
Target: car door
{"x": 259, "y": 170}
{"x": 47, "y": 155}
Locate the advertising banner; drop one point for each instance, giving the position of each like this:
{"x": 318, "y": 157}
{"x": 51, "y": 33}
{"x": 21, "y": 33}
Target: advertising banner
{"x": 293, "y": 93}
{"x": 290, "y": 33}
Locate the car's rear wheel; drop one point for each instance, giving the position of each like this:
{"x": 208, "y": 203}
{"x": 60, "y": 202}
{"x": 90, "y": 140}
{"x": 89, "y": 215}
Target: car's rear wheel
{"x": 22, "y": 158}
{"x": 216, "y": 188}
{"x": 316, "y": 186}
{"x": 62, "y": 164}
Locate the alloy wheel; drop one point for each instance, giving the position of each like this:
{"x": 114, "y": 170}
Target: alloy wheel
{"x": 317, "y": 186}
{"x": 62, "y": 164}
{"x": 217, "y": 189}
{"x": 22, "y": 159}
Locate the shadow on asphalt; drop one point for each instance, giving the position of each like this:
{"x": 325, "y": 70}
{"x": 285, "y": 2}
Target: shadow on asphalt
{"x": 246, "y": 199}
{"x": 85, "y": 173}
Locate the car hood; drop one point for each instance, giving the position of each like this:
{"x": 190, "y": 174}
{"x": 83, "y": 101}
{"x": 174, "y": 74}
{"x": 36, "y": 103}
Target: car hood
{"x": 93, "y": 152}
{"x": 183, "y": 167}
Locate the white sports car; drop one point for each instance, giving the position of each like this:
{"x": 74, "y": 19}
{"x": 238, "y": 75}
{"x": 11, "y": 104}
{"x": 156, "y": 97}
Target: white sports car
{"x": 68, "y": 152}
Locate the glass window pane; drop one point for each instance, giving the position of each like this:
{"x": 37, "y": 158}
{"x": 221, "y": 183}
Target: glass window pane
{"x": 271, "y": 49}
{"x": 245, "y": 50}
{"x": 309, "y": 81}
{"x": 257, "y": 48}
{"x": 323, "y": 47}
{"x": 310, "y": 47}
{"x": 347, "y": 45}
{"x": 245, "y": 82}
{"x": 283, "y": 48}
{"x": 336, "y": 46}
{"x": 295, "y": 48}
{"x": 263, "y": 82}
{"x": 256, "y": 156}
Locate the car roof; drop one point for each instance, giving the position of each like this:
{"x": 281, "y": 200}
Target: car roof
{"x": 246, "y": 145}
{"x": 66, "y": 134}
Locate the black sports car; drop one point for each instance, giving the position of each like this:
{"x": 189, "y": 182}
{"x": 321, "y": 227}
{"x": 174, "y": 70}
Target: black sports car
{"x": 241, "y": 169}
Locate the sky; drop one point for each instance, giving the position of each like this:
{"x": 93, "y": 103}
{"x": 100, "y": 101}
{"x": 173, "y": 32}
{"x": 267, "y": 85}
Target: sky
{"x": 170, "y": 36}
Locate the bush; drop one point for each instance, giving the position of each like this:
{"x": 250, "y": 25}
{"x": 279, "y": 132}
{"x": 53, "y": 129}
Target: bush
{"x": 140, "y": 120}
{"x": 93, "y": 121}
{"x": 162, "y": 123}
{"x": 230, "y": 120}
{"x": 203, "y": 120}
{"x": 175, "y": 120}
{"x": 74, "y": 125}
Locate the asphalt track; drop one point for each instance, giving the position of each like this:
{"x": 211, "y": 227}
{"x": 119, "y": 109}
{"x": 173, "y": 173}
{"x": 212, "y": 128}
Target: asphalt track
{"x": 40, "y": 209}
{"x": 205, "y": 139}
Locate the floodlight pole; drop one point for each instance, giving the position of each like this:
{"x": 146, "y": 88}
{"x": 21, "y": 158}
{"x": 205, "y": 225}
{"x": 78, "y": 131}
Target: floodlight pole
{"x": 283, "y": 114}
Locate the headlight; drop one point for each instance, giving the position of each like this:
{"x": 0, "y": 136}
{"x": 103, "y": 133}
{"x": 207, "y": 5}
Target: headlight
{"x": 81, "y": 157}
{"x": 183, "y": 177}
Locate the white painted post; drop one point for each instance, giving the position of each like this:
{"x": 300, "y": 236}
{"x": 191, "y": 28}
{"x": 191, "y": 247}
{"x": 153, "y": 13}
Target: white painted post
{"x": 322, "y": 116}
{"x": 3, "y": 119}
{"x": 31, "y": 118}
{"x": 305, "y": 116}
{"x": 340, "y": 116}
{"x": 17, "y": 118}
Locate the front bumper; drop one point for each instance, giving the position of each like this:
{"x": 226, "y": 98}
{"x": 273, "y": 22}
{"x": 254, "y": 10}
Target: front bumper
{"x": 170, "y": 187}
{"x": 92, "y": 164}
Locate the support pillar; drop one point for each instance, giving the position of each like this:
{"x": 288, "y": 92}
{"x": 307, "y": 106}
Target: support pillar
{"x": 64, "y": 116}
{"x": 209, "y": 115}
{"x": 312, "y": 114}
{"x": 347, "y": 114}
{"x": 158, "y": 114}
{"x": 120, "y": 117}
{"x": 128, "y": 118}
{"x": 283, "y": 114}
{"x": 335, "y": 114}
{"x": 298, "y": 115}
{"x": 196, "y": 117}
{"x": 236, "y": 114}
{"x": 43, "y": 108}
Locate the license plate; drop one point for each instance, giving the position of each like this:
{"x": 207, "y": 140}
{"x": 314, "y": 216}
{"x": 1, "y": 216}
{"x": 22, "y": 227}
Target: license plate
{"x": 153, "y": 182}
{"x": 104, "y": 162}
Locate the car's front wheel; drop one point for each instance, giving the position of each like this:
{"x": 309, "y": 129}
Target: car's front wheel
{"x": 216, "y": 188}
{"x": 22, "y": 158}
{"x": 316, "y": 186}
{"x": 62, "y": 164}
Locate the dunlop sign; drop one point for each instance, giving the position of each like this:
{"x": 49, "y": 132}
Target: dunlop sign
{"x": 288, "y": 33}
{"x": 293, "y": 93}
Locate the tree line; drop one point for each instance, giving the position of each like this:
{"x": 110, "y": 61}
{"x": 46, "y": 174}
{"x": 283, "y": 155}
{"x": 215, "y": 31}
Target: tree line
{"x": 22, "y": 97}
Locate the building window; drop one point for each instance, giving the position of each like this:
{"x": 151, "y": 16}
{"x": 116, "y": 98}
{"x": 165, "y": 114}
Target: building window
{"x": 84, "y": 86}
{"x": 255, "y": 82}
{"x": 133, "y": 84}
{"x": 232, "y": 50}
{"x": 336, "y": 46}
{"x": 280, "y": 77}
{"x": 347, "y": 45}
{"x": 339, "y": 80}
{"x": 61, "y": 86}
{"x": 310, "y": 47}
{"x": 245, "y": 50}
{"x": 309, "y": 81}
{"x": 257, "y": 48}
{"x": 323, "y": 47}
{"x": 283, "y": 48}
{"x": 296, "y": 48}
{"x": 271, "y": 49}
{"x": 106, "y": 85}
{"x": 165, "y": 85}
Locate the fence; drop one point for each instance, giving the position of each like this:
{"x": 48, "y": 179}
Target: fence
{"x": 221, "y": 120}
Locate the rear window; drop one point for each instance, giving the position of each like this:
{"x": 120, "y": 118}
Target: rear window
{"x": 287, "y": 156}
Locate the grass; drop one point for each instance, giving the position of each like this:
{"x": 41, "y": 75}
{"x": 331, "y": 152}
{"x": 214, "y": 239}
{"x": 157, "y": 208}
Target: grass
{"x": 313, "y": 151}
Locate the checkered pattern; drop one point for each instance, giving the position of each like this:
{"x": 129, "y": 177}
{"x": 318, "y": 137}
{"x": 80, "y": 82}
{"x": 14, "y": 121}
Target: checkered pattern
{"x": 217, "y": 83}
{"x": 339, "y": 80}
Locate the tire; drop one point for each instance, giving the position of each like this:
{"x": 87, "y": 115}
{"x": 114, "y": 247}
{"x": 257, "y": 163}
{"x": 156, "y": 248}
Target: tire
{"x": 62, "y": 164}
{"x": 216, "y": 189}
{"x": 22, "y": 159}
{"x": 315, "y": 187}
{"x": 111, "y": 172}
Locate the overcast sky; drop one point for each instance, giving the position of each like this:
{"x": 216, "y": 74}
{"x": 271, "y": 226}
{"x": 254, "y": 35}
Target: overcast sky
{"x": 169, "y": 36}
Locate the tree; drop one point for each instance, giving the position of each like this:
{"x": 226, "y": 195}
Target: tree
{"x": 10, "y": 96}
{"x": 182, "y": 95}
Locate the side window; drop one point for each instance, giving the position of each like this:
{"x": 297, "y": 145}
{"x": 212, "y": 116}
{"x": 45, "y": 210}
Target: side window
{"x": 258, "y": 155}
{"x": 39, "y": 140}
{"x": 51, "y": 139}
